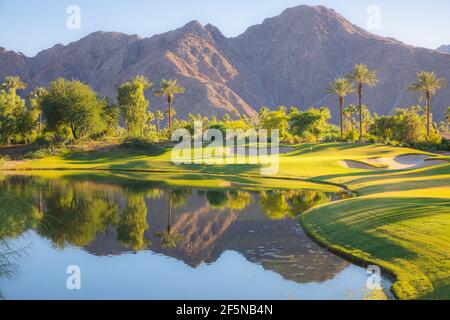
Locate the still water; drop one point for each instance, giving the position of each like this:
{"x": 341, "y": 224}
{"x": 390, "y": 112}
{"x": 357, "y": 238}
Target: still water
{"x": 135, "y": 240}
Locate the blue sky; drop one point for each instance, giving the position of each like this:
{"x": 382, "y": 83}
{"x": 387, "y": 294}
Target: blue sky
{"x": 31, "y": 26}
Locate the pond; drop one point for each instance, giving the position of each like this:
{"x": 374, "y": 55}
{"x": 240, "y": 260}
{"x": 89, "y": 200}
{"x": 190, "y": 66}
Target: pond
{"x": 145, "y": 240}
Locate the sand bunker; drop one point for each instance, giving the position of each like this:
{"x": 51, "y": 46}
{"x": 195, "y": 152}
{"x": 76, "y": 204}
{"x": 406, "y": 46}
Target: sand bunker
{"x": 411, "y": 161}
{"x": 356, "y": 165}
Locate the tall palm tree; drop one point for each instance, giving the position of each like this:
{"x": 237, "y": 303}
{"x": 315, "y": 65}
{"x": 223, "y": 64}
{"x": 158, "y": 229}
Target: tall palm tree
{"x": 341, "y": 87}
{"x": 362, "y": 75}
{"x": 36, "y": 97}
{"x": 168, "y": 89}
{"x": 13, "y": 83}
{"x": 428, "y": 84}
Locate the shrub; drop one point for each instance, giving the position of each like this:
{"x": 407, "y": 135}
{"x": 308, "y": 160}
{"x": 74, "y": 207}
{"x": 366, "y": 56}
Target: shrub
{"x": 141, "y": 144}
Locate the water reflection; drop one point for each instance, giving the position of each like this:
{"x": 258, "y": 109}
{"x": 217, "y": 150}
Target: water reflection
{"x": 194, "y": 226}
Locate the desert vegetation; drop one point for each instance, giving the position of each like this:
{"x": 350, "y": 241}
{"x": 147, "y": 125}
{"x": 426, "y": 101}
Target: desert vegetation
{"x": 71, "y": 112}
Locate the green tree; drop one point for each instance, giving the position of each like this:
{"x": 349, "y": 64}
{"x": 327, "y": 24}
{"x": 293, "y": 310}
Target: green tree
{"x": 226, "y": 117}
{"x": 312, "y": 122}
{"x": 12, "y": 84}
{"x": 133, "y": 104}
{"x": 168, "y": 89}
{"x": 276, "y": 120}
{"x": 428, "y": 84}
{"x": 73, "y": 105}
{"x": 404, "y": 126}
{"x": 111, "y": 117}
{"x": 349, "y": 117}
{"x": 263, "y": 113}
{"x": 150, "y": 119}
{"x": 362, "y": 75}
{"x": 159, "y": 118}
{"x": 341, "y": 87}
{"x": 15, "y": 120}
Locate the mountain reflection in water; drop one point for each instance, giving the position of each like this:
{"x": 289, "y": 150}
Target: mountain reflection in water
{"x": 191, "y": 225}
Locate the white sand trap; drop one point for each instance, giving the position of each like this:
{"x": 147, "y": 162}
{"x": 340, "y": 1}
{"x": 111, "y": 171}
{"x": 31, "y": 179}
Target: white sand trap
{"x": 411, "y": 161}
{"x": 356, "y": 165}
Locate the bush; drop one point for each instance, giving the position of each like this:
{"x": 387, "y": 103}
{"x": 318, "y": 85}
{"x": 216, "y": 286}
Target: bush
{"x": 351, "y": 136}
{"x": 45, "y": 152}
{"x": 141, "y": 144}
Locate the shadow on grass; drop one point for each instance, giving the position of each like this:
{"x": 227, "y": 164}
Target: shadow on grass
{"x": 222, "y": 169}
{"x": 119, "y": 153}
{"x": 351, "y": 224}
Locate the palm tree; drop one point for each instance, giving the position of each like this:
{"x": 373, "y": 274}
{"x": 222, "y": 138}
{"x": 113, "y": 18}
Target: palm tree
{"x": 428, "y": 84}
{"x": 150, "y": 118}
{"x": 35, "y": 97}
{"x": 362, "y": 75}
{"x": 159, "y": 117}
{"x": 168, "y": 89}
{"x": 169, "y": 240}
{"x": 13, "y": 83}
{"x": 341, "y": 87}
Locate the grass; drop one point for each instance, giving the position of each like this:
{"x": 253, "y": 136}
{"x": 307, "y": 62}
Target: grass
{"x": 400, "y": 221}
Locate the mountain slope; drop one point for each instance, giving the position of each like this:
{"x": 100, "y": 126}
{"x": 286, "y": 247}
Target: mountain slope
{"x": 444, "y": 49}
{"x": 286, "y": 60}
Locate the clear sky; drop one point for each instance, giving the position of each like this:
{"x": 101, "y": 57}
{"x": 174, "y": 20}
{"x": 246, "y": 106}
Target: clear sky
{"x": 30, "y": 26}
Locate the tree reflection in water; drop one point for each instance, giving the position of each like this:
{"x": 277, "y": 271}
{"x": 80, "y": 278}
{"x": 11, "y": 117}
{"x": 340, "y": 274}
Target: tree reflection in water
{"x": 176, "y": 198}
{"x": 17, "y": 215}
{"x": 133, "y": 223}
{"x": 193, "y": 227}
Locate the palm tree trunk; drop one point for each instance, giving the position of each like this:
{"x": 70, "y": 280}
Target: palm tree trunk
{"x": 40, "y": 122}
{"x": 170, "y": 115}
{"x": 428, "y": 113}
{"x": 341, "y": 109}
{"x": 360, "y": 92}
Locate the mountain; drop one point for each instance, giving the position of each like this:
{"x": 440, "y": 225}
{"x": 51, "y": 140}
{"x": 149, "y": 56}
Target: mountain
{"x": 286, "y": 60}
{"x": 444, "y": 48}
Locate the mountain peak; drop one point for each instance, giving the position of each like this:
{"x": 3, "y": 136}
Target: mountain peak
{"x": 306, "y": 19}
{"x": 193, "y": 26}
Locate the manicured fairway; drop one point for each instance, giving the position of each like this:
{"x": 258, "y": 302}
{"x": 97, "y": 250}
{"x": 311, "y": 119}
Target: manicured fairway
{"x": 400, "y": 221}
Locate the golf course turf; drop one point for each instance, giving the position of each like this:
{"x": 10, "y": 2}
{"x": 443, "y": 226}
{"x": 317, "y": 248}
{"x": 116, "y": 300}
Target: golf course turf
{"x": 400, "y": 220}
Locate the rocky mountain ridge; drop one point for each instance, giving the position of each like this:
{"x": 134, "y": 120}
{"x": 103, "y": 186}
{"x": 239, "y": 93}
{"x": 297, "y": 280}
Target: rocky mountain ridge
{"x": 286, "y": 60}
